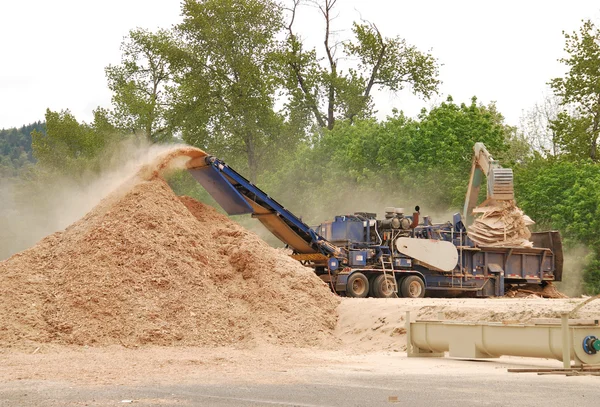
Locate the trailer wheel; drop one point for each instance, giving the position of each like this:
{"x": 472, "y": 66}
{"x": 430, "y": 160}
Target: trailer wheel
{"x": 383, "y": 286}
{"x": 371, "y": 286}
{"x": 357, "y": 286}
{"x": 413, "y": 287}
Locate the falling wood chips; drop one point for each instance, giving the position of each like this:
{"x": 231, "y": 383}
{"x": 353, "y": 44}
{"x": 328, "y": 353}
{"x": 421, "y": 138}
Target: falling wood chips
{"x": 500, "y": 223}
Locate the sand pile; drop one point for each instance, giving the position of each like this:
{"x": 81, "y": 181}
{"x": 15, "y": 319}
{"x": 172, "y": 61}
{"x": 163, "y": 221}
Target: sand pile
{"x": 500, "y": 223}
{"x": 147, "y": 267}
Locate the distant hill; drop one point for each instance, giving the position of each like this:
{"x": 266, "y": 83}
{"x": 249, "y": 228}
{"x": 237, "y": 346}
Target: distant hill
{"x": 15, "y": 149}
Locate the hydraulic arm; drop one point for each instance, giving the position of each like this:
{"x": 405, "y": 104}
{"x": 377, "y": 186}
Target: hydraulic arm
{"x": 500, "y": 184}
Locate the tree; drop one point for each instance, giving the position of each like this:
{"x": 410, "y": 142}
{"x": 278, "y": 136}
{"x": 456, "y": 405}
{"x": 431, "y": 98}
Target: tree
{"x": 537, "y": 126}
{"x": 142, "y": 84}
{"x": 331, "y": 93}
{"x": 15, "y": 149}
{"x": 68, "y": 146}
{"x": 571, "y": 134}
{"x": 368, "y": 165}
{"x": 564, "y": 194}
{"x": 580, "y": 88}
{"x": 227, "y": 77}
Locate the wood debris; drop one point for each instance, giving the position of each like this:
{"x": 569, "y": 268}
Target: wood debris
{"x": 146, "y": 267}
{"x": 500, "y": 223}
{"x": 549, "y": 290}
{"x": 587, "y": 370}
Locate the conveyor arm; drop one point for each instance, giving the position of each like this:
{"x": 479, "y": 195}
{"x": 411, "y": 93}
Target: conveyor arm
{"x": 237, "y": 195}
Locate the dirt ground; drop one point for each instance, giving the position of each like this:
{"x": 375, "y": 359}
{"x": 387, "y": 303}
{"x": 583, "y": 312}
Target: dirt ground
{"x": 367, "y": 331}
{"x": 159, "y": 300}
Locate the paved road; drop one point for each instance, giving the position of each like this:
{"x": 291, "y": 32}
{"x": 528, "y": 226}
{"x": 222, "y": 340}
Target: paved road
{"x": 356, "y": 389}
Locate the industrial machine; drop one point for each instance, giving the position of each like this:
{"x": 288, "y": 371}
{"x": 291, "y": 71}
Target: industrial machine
{"x": 500, "y": 185}
{"x": 563, "y": 339}
{"x": 359, "y": 255}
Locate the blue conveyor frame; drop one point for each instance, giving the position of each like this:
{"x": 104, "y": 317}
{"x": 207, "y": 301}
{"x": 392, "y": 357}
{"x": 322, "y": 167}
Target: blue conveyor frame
{"x": 237, "y": 195}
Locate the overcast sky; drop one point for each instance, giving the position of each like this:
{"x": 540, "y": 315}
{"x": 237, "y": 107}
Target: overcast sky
{"x": 53, "y": 52}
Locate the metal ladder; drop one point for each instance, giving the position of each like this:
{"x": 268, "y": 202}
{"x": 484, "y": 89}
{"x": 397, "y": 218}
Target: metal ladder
{"x": 386, "y": 260}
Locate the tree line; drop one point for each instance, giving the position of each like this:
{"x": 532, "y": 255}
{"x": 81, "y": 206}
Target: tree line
{"x": 236, "y": 78}
{"x": 16, "y": 155}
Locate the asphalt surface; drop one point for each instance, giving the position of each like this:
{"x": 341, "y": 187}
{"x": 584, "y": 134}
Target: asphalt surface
{"x": 356, "y": 389}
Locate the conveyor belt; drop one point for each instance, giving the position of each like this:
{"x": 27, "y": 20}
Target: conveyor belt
{"x": 237, "y": 195}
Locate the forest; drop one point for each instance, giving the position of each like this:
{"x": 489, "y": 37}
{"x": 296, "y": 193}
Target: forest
{"x": 235, "y": 78}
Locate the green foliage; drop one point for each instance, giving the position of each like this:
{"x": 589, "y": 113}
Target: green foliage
{"x": 443, "y": 147}
{"x": 571, "y": 135}
{"x": 331, "y": 93}
{"x": 215, "y": 80}
{"x": 561, "y": 194}
{"x": 227, "y": 78}
{"x": 69, "y": 147}
{"x": 400, "y": 162}
{"x": 562, "y": 191}
{"x": 15, "y": 150}
{"x": 391, "y": 62}
{"x": 580, "y": 89}
{"x": 592, "y": 272}
{"x": 564, "y": 195}
{"x": 142, "y": 83}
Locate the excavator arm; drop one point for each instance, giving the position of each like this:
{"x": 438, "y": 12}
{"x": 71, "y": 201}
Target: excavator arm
{"x": 500, "y": 184}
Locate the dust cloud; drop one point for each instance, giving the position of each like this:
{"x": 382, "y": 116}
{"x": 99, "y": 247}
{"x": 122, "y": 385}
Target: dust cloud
{"x": 33, "y": 209}
{"x": 574, "y": 264}
{"x": 373, "y": 199}
{"x": 321, "y": 203}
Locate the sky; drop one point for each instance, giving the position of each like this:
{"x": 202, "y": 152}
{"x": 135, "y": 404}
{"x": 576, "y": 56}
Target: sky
{"x": 53, "y": 52}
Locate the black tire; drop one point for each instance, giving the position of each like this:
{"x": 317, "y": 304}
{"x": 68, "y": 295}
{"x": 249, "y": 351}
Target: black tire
{"x": 399, "y": 281}
{"x": 413, "y": 287}
{"x": 383, "y": 286}
{"x": 357, "y": 286}
{"x": 371, "y": 285}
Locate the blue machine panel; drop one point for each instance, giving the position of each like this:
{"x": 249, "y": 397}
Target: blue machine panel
{"x": 221, "y": 190}
{"x": 342, "y": 229}
{"x": 358, "y": 258}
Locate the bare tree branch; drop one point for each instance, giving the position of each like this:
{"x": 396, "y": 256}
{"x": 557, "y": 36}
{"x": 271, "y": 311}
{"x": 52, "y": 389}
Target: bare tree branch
{"x": 298, "y": 72}
{"x": 332, "y": 63}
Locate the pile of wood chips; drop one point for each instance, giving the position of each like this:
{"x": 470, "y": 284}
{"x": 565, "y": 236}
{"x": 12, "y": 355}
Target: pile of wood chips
{"x": 146, "y": 267}
{"x": 500, "y": 223}
{"x": 535, "y": 291}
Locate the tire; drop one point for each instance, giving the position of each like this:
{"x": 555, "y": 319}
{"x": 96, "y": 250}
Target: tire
{"x": 383, "y": 286}
{"x": 413, "y": 287}
{"x": 371, "y": 286}
{"x": 357, "y": 286}
{"x": 399, "y": 280}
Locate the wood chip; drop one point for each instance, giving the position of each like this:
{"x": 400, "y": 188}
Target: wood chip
{"x": 145, "y": 267}
{"x": 500, "y": 223}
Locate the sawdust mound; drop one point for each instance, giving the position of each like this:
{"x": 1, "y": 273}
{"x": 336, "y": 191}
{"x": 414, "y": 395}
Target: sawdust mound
{"x": 147, "y": 267}
{"x": 500, "y": 223}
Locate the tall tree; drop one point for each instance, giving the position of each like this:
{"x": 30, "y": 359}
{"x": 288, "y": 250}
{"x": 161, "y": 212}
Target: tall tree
{"x": 330, "y": 92}
{"x": 142, "y": 84}
{"x": 580, "y": 88}
{"x": 228, "y": 77}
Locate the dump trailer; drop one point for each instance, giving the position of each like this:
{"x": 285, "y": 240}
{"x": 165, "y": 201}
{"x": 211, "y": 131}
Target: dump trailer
{"x": 359, "y": 255}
